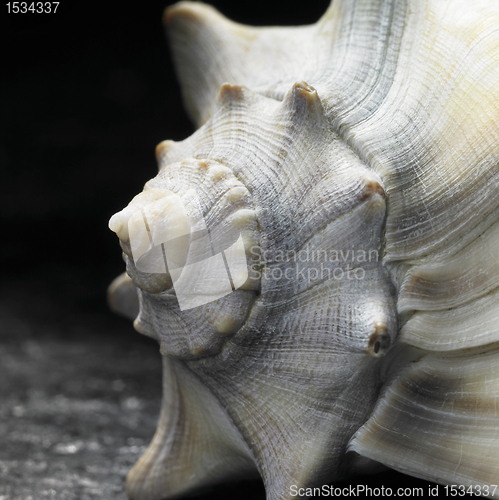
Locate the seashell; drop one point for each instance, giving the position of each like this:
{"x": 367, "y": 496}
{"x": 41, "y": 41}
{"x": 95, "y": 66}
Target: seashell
{"x": 319, "y": 260}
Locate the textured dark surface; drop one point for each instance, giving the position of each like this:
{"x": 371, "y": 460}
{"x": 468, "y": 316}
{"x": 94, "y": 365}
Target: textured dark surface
{"x": 79, "y": 404}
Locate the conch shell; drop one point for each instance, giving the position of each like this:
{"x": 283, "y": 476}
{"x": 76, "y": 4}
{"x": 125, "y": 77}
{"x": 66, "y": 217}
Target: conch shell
{"x": 319, "y": 261}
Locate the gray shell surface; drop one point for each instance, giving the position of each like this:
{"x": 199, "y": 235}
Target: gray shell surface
{"x": 319, "y": 261}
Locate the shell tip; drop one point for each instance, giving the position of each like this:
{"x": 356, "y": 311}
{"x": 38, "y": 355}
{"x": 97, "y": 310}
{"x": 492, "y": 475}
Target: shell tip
{"x": 122, "y": 297}
{"x": 306, "y": 90}
{"x": 162, "y": 148}
{"x": 374, "y": 187}
{"x": 304, "y": 98}
{"x": 229, "y": 92}
{"x": 118, "y": 226}
{"x": 183, "y": 9}
{"x": 192, "y": 11}
{"x": 196, "y": 351}
{"x": 142, "y": 327}
{"x": 379, "y": 341}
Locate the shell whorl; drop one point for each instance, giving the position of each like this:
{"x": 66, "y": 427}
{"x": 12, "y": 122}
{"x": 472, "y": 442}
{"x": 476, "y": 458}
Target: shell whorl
{"x": 339, "y": 215}
{"x": 170, "y": 233}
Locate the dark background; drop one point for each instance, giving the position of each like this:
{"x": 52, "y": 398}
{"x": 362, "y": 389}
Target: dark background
{"x": 85, "y": 96}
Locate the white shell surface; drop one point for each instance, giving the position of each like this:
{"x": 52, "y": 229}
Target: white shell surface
{"x": 451, "y": 404}
{"x": 356, "y": 161}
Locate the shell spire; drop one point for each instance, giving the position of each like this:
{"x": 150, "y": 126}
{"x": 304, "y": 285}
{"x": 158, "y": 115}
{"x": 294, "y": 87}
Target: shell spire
{"x": 209, "y": 49}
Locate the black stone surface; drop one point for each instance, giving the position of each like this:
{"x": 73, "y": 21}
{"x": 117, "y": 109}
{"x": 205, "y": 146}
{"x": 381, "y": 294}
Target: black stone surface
{"x": 79, "y": 403}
